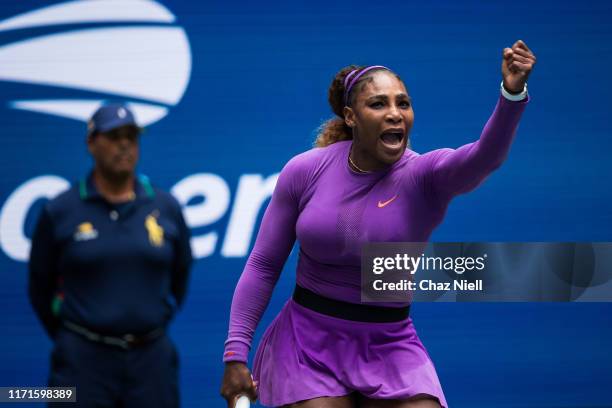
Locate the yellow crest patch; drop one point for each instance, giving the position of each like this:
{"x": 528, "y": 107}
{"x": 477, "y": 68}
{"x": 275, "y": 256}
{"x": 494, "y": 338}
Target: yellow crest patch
{"x": 85, "y": 231}
{"x": 156, "y": 232}
{"x": 85, "y": 227}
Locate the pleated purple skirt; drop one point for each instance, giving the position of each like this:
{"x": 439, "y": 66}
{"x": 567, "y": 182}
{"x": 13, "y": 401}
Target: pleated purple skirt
{"x": 305, "y": 355}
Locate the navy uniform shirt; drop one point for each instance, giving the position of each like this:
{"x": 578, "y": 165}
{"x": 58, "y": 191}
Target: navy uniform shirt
{"x": 112, "y": 268}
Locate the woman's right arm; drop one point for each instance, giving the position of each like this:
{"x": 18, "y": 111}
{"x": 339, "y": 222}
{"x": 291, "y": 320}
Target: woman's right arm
{"x": 274, "y": 242}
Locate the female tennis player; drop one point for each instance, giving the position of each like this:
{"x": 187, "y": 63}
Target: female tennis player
{"x": 360, "y": 184}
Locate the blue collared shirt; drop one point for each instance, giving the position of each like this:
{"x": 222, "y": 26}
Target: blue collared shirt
{"x": 113, "y": 268}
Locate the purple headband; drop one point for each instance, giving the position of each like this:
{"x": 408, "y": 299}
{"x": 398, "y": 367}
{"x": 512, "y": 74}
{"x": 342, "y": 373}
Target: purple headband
{"x": 349, "y": 85}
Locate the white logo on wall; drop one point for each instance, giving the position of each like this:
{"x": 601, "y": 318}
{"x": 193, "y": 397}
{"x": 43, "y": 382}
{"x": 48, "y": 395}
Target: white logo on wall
{"x": 147, "y": 66}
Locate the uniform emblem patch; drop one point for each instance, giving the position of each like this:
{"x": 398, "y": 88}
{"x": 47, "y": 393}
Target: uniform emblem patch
{"x": 156, "y": 232}
{"x": 85, "y": 231}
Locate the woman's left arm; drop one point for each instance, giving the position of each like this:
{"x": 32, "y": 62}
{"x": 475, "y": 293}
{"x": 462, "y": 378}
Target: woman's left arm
{"x": 458, "y": 171}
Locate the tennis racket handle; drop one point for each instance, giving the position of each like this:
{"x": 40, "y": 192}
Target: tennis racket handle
{"x": 243, "y": 402}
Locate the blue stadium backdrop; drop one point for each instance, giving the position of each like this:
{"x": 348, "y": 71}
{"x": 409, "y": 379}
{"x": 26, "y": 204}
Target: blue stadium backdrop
{"x": 229, "y": 91}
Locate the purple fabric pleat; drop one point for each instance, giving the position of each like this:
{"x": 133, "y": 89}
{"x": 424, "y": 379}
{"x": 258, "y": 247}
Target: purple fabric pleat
{"x": 304, "y": 355}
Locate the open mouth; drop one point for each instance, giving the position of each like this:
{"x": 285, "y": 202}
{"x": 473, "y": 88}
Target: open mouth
{"x": 392, "y": 137}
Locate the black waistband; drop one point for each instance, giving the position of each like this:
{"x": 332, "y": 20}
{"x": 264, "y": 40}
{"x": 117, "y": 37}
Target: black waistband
{"x": 348, "y": 311}
{"x": 126, "y": 341}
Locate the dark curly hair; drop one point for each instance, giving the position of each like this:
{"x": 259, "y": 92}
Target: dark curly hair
{"x": 335, "y": 129}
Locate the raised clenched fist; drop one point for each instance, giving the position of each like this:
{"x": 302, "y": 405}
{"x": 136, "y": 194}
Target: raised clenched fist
{"x": 517, "y": 64}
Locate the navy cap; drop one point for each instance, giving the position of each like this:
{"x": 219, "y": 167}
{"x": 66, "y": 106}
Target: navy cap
{"x": 109, "y": 117}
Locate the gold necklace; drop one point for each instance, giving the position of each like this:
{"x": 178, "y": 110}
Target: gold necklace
{"x": 356, "y": 166}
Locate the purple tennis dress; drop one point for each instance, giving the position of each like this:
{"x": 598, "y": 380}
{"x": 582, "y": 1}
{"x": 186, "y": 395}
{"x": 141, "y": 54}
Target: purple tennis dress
{"x": 332, "y": 211}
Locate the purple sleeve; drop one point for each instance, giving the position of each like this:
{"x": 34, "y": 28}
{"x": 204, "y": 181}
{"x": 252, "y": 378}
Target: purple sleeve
{"x": 274, "y": 242}
{"x": 453, "y": 172}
